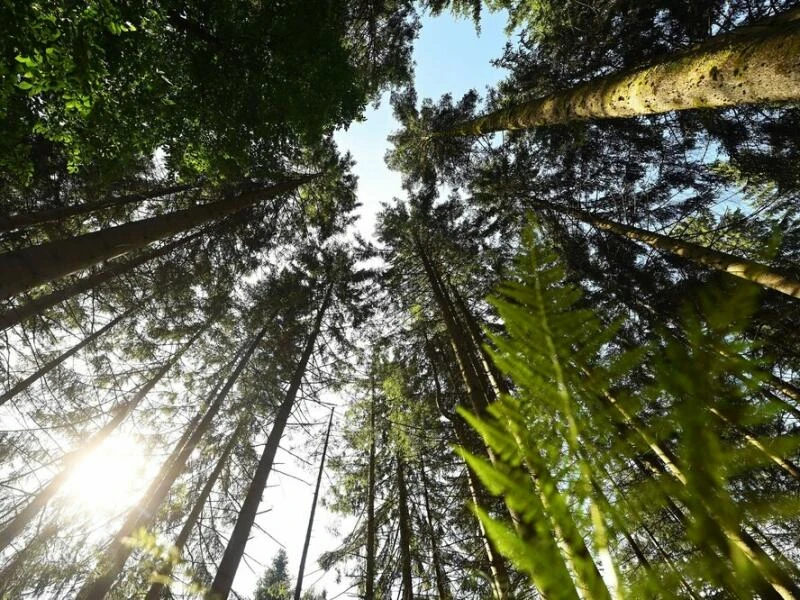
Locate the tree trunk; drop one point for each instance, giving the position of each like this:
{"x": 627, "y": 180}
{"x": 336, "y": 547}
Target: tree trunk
{"x": 483, "y": 390}
{"x": 142, "y": 515}
{"x": 442, "y": 587}
{"x": 752, "y": 65}
{"x": 22, "y": 518}
{"x": 154, "y": 593}
{"x": 22, "y": 220}
{"x": 405, "y": 533}
{"x": 714, "y": 259}
{"x": 221, "y": 587}
{"x": 52, "y": 364}
{"x": 36, "y": 265}
{"x": 369, "y": 584}
{"x": 476, "y": 388}
{"x": 299, "y": 587}
{"x": 37, "y": 306}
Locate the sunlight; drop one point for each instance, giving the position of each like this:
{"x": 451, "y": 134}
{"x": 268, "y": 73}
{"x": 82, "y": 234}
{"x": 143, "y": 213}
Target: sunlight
{"x": 109, "y": 479}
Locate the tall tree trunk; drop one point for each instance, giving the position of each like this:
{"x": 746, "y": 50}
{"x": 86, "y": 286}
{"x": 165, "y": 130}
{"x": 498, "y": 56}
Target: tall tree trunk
{"x": 405, "y": 533}
{"x": 369, "y": 584}
{"x": 37, "y": 306}
{"x": 56, "y": 214}
{"x": 714, "y": 259}
{"x": 142, "y": 515}
{"x": 442, "y": 587}
{"x": 36, "y": 265}
{"x": 221, "y": 587}
{"x": 52, "y": 364}
{"x": 752, "y": 65}
{"x": 24, "y": 517}
{"x": 498, "y": 570}
{"x": 154, "y": 593}
{"x": 299, "y": 587}
{"x": 483, "y": 390}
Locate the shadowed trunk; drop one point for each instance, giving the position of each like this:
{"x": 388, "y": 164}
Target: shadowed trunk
{"x": 369, "y": 583}
{"x": 37, "y": 306}
{"x": 56, "y": 214}
{"x": 483, "y": 389}
{"x": 36, "y": 265}
{"x": 442, "y": 587}
{"x": 221, "y": 587}
{"x": 405, "y": 533}
{"x": 299, "y": 587}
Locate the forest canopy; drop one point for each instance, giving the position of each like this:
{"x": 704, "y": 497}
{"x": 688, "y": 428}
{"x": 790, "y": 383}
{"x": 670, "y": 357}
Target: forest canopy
{"x": 565, "y": 365}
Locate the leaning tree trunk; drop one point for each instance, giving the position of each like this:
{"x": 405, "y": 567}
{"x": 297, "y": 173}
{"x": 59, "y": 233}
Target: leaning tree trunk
{"x": 56, "y": 214}
{"x": 142, "y": 515}
{"x": 405, "y": 533}
{"x": 24, "y": 517}
{"x": 38, "y": 305}
{"x": 36, "y": 265}
{"x": 221, "y": 587}
{"x": 154, "y": 593}
{"x": 299, "y": 587}
{"x": 714, "y": 259}
{"x": 752, "y": 65}
{"x": 52, "y": 364}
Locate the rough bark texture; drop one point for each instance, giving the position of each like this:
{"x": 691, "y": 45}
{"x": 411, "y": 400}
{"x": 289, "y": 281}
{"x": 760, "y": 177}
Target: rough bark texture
{"x": 23, "y": 517}
{"x": 52, "y": 364}
{"x": 221, "y": 587}
{"x": 753, "y": 65}
{"x": 118, "y": 552}
{"x": 299, "y": 587}
{"x": 720, "y": 261}
{"x": 28, "y": 267}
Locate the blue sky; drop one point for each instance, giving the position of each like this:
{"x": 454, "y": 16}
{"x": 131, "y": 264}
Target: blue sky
{"x": 450, "y": 58}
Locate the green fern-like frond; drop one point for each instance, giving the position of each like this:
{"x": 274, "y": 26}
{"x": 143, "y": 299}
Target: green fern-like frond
{"x": 599, "y": 467}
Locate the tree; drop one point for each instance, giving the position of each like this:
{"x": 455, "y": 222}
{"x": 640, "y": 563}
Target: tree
{"x": 726, "y": 70}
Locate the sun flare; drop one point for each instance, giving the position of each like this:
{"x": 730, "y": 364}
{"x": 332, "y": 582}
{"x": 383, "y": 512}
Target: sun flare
{"x": 108, "y": 479}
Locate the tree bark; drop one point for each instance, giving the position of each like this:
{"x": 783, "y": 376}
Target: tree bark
{"x": 142, "y": 515}
{"x": 56, "y": 214}
{"x": 752, "y": 65}
{"x": 714, "y": 259}
{"x": 52, "y": 364}
{"x": 299, "y": 587}
{"x": 37, "y": 306}
{"x": 154, "y": 593}
{"x": 405, "y": 533}
{"x": 369, "y": 584}
{"x": 24, "y": 517}
{"x": 221, "y": 587}
{"x": 36, "y": 265}
{"x": 477, "y": 380}
{"x": 442, "y": 587}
